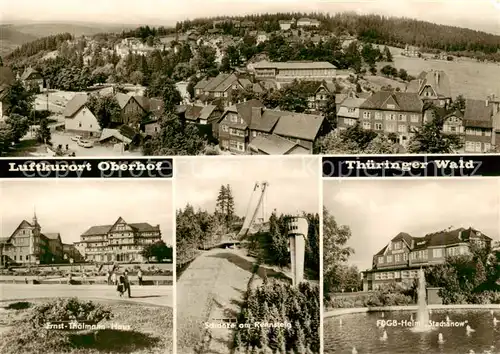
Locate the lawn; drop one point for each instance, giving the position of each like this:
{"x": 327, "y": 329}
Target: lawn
{"x": 472, "y": 79}
{"x": 149, "y": 332}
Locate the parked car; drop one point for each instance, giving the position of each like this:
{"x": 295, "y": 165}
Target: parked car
{"x": 85, "y": 143}
{"x": 76, "y": 138}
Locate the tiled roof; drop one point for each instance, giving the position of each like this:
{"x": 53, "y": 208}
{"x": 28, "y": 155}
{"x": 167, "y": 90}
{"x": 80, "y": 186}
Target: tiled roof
{"x": 478, "y": 114}
{"x": 301, "y": 126}
{"x": 75, "y": 104}
{"x": 294, "y": 65}
{"x": 144, "y": 227}
{"x": 244, "y": 109}
{"x": 267, "y": 120}
{"x": 352, "y": 102}
{"x": 193, "y": 112}
{"x": 201, "y": 84}
{"x": 220, "y": 83}
{"x": 97, "y": 230}
{"x": 110, "y": 133}
{"x": 272, "y": 145}
{"x": 207, "y": 111}
{"x": 26, "y": 74}
{"x": 122, "y": 99}
{"x": 404, "y": 101}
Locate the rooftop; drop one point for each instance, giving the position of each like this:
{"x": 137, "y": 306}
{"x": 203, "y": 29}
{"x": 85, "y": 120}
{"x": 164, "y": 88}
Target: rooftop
{"x": 294, "y": 65}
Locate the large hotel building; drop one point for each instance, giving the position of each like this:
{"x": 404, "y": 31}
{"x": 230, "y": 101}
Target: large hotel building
{"x": 28, "y": 245}
{"x": 400, "y": 260}
{"x": 289, "y": 71}
{"x": 119, "y": 242}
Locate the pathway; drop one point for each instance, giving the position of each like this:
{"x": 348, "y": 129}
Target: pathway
{"x": 208, "y": 292}
{"x": 152, "y": 295}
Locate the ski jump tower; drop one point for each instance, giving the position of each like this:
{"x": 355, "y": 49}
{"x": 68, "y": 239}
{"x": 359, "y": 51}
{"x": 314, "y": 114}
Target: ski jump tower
{"x": 297, "y": 235}
{"x": 258, "y": 196}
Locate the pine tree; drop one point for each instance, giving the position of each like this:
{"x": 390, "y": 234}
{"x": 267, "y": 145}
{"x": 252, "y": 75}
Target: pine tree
{"x": 229, "y": 206}
{"x": 387, "y": 54}
{"x": 43, "y": 133}
{"x": 300, "y": 345}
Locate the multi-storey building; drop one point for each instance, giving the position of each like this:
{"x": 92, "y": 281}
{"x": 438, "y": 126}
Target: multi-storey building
{"x": 400, "y": 260}
{"x": 220, "y": 88}
{"x": 28, "y": 245}
{"x": 290, "y": 71}
{"x": 119, "y": 242}
{"x": 32, "y": 80}
{"x": 244, "y": 122}
{"x": 399, "y": 113}
{"x": 481, "y": 119}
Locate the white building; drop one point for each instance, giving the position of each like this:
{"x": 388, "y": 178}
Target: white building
{"x": 79, "y": 119}
{"x": 289, "y": 71}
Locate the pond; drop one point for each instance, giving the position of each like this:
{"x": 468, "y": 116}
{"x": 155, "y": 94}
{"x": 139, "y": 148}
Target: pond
{"x": 364, "y": 333}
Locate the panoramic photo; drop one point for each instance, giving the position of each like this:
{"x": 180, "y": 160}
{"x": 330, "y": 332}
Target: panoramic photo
{"x": 86, "y": 268}
{"x": 268, "y": 78}
{"x": 248, "y": 261}
{"x": 411, "y": 266}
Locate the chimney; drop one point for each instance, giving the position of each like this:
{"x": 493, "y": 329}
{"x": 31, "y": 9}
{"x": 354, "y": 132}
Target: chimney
{"x": 256, "y": 113}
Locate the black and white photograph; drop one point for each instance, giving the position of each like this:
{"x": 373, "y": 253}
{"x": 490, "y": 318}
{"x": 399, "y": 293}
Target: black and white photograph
{"x": 86, "y": 266}
{"x": 128, "y": 78}
{"x": 248, "y": 258}
{"x": 411, "y": 266}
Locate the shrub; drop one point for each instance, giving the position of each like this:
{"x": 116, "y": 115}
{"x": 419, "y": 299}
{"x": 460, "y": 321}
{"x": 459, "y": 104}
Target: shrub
{"x": 280, "y": 303}
{"x": 68, "y": 310}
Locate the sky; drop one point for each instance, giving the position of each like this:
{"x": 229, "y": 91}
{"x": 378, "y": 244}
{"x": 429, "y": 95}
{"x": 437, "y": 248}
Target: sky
{"x": 293, "y": 182}
{"x": 71, "y": 207}
{"x": 377, "y": 210}
{"x": 477, "y": 14}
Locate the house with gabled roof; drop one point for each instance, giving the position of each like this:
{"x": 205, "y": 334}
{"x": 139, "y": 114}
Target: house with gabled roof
{"x": 242, "y": 123}
{"x": 220, "y": 88}
{"x": 29, "y": 245}
{"x": 32, "y": 80}
{"x": 390, "y": 112}
{"x": 432, "y": 86}
{"x": 118, "y": 242}
{"x": 131, "y": 109}
{"x": 401, "y": 258}
{"x": 79, "y": 119}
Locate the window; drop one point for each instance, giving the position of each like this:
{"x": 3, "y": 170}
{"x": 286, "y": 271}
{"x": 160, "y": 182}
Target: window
{"x": 402, "y": 128}
{"x": 234, "y": 118}
{"x": 381, "y": 260}
{"x": 389, "y": 259}
{"x": 469, "y": 146}
{"x": 414, "y": 118}
{"x": 377, "y": 276}
{"x": 487, "y": 147}
{"x": 349, "y": 121}
{"x": 27, "y": 257}
{"x": 402, "y": 117}
{"x": 391, "y": 106}
{"x": 378, "y": 115}
{"x": 351, "y": 110}
{"x": 254, "y": 133}
{"x": 397, "y": 258}
{"x": 378, "y": 126}
{"x": 390, "y": 127}
{"x": 225, "y": 128}
{"x": 79, "y": 124}
{"x": 477, "y": 146}
{"x": 390, "y": 116}
{"x": 487, "y": 133}
{"x": 367, "y": 125}
{"x": 366, "y": 115}
{"x": 397, "y": 275}
{"x": 437, "y": 253}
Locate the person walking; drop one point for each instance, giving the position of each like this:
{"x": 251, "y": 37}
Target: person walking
{"x": 139, "y": 276}
{"x": 127, "y": 283}
{"x": 108, "y": 273}
{"x": 121, "y": 287}
{"x": 113, "y": 278}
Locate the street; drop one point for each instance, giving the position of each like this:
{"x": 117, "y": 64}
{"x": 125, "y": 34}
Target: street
{"x": 154, "y": 295}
